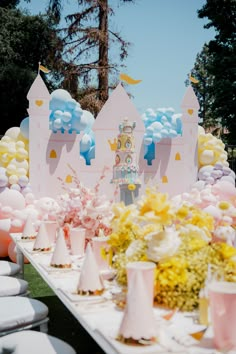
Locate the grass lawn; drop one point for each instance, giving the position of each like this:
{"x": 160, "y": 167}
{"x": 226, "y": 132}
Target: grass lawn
{"x": 62, "y": 323}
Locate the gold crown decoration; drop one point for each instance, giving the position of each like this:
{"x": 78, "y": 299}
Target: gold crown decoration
{"x": 113, "y": 145}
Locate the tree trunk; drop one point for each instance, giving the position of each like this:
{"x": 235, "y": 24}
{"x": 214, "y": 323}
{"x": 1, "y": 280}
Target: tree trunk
{"x": 103, "y": 52}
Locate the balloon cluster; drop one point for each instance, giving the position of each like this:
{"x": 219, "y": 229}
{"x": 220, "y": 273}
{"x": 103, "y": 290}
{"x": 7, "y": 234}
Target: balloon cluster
{"x": 14, "y": 163}
{"x": 212, "y": 174}
{"x": 161, "y": 123}
{"x": 212, "y": 157}
{"x": 210, "y": 149}
{"x": 67, "y": 115}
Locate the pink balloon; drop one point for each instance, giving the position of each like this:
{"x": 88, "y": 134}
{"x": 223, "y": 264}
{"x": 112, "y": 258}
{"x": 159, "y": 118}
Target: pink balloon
{"x": 224, "y": 190}
{"x": 12, "y": 252}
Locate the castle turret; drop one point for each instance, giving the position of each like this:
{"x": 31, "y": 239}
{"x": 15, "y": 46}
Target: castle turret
{"x": 190, "y": 119}
{"x": 38, "y": 110}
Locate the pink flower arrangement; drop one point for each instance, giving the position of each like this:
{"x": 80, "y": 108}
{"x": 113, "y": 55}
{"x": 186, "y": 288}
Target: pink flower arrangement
{"x": 84, "y": 207}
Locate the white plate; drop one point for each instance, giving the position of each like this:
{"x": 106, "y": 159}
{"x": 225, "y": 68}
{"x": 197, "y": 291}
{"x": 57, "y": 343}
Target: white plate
{"x": 39, "y": 252}
{"x": 77, "y": 298}
{"x": 48, "y": 268}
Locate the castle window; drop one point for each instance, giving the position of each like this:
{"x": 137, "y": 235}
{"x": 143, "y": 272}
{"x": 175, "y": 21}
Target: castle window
{"x": 128, "y": 144}
{"x": 190, "y": 111}
{"x": 68, "y": 179}
{"x": 177, "y": 156}
{"x": 117, "y": 159}
{"x": 128, "y": 160}
{"x": 164, "y": 179}
{"x": 118, "y": 144}
{"x": 53, "y": 154}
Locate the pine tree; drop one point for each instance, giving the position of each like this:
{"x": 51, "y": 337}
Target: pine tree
{"x": 87, "y": 40}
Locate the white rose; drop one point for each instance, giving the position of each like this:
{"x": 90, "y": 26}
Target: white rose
{"x": 133, "y": 248}
{"x": 162, "y": 244}
{"x": 225, "y": 233}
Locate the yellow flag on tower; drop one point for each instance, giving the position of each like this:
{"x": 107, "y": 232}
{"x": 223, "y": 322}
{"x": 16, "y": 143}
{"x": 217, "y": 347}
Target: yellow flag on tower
{"x": 129, "y": 80}
{"x": 193, "y": 79}
{"x": 43, "y": 69}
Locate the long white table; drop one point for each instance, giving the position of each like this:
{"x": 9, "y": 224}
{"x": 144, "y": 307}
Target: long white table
{"x": 100, "y": 316}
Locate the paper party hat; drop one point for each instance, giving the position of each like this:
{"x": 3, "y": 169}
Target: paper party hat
{"x": 61, "y": 257}
{"x": 29, "y": 229}
{"x": 90, "y": 280}
{"x": 42, "y": 242}
{"x": 138, "y": 322}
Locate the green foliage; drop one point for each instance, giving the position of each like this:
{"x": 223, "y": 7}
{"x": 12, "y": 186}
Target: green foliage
{"x": 9, "y": 4}
{"x": 24, "y": 41}
{"x": 216, "y": 90}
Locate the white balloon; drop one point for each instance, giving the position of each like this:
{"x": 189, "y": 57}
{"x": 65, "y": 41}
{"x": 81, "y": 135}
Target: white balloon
{"x": 13, "y": 133}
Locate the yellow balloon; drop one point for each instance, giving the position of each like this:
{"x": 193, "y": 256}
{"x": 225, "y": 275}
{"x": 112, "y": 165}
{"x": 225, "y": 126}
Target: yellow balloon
{"x": 13, "y": 133}
{"x": 21, "y": 153}
{"x": 6, "y": 139}
{"x": 3, "y": 147}
{"x": 20, "y": 163}
{"x": 21, "y": 171}
{"x": 22, "y": 138}
{"x": 11, "y": 169}
{"x": 5, "y": 158}
{"x": 13, "y": 179}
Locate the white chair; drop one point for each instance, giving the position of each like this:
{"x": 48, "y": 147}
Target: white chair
{"x": 33, "y": 342}
{"x": 9, "y": 268}
{"x": 18, "y": 313}
{"x": 10, "y": 286}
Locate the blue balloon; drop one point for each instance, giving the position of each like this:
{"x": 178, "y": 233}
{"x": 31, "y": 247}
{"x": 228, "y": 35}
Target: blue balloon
{"x": 59, "y": 98}
{"x": 24, "y": 128}
{"x": 85, "y": 143}
{"x": 90, "y": 155}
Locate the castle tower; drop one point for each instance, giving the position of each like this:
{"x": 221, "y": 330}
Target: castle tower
{"x": 190, "y": 119}
{"x": 118, "y": 106}
{"x": 125, "y": 170}
{"x": 38, "y": 110}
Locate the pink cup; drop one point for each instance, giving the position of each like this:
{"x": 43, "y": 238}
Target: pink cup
{"x": 51, "y": 227}
{"x": 77, "y": 240}
{"x": 147, "y": 270}
{"x": 222, "y": 297}
{"x": 98, "y": 245}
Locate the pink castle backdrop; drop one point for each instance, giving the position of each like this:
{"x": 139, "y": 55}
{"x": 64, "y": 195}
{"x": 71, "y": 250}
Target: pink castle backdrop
{"x": 174, "y": 166}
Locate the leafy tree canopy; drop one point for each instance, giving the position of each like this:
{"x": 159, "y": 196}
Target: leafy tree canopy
{"x": 218, "y": 89}
{"x": 25, "y": 40}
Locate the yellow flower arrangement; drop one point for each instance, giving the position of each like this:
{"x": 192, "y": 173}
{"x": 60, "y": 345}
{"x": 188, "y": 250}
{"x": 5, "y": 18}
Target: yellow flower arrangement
{"x": 178, "y": 239}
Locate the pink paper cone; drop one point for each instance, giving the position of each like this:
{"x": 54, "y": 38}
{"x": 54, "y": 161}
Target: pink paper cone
{"x": 29, "y": 229}
{"x": 42, "y": 242}
{"x": 77, "y": 240}
{"x": 99, "y": 243}
{"x": 90, "y": 279}
{"x": 147, "y": 270}
{"x": 61, "y": 257}
{"x": 138, "y": 321}
{"x": 51, "y": 227}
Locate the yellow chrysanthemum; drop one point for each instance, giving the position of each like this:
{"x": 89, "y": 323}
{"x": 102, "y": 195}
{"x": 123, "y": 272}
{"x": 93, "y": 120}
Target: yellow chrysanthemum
{"x": 227, "y": 251}
{"x": 200, "y": 219}
{"x": 182, "y": 212}
{"x": 223, "y": 205}
{"x": 155, "y": 207}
